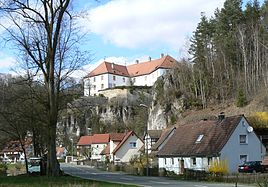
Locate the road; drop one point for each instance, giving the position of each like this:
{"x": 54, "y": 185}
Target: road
{"x": 87, "y": 172}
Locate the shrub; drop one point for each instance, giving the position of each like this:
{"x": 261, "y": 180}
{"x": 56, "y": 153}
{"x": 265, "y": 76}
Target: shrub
{"x": 18, "y": 166}
{"x": 219, "y": 167}
{"x": 3, "y": 169}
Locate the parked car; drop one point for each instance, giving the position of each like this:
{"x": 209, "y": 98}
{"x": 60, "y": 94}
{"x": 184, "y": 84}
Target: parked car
{"x": 251, "y": 167}
{"x": 34, "y": 165}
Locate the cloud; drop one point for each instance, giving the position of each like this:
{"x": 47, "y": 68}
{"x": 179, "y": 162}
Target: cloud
{"x": 7, "y": 62}
{"x": 148, "y": 23}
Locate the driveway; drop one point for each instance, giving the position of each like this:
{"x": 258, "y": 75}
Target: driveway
{"x": 87, "y": 172}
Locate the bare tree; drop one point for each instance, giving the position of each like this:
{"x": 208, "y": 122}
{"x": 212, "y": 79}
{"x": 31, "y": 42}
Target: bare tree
{"x": 46, "y": 37}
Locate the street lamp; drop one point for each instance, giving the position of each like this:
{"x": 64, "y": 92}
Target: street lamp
{"x": 146, "y": 144}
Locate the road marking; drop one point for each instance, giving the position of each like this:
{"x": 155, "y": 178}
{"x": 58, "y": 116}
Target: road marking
{"x": 125, "y": 178}
{"x": 159, "y": 182}
{"x": 199, "y": 186}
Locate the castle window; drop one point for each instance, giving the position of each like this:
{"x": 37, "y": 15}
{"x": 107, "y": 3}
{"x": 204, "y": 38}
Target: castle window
{"x": 114, "y": 77}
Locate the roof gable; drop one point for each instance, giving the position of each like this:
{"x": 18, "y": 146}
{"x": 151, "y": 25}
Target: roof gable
{"x": 215, "y": 136}
{"x": 124, "y": 140}
{"x": 117, "y": 136}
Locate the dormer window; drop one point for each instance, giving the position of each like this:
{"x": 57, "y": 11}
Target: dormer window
{"x": 199, "y": 138}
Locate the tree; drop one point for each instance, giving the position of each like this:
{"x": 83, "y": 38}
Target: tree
{"x": 46, "y": 38}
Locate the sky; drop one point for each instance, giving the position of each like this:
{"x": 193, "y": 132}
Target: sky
{"x": 123, "y": 31}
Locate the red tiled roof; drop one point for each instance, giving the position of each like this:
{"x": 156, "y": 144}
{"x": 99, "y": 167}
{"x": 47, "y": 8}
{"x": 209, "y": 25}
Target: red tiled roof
{"x": 107, "y": 67}
{"x": 117, "y": 136}
{"x": 124, "y": 140}
{"x": 215, "y": 135}
{"x": 106, "y": 150}
{"x": 85, "y": 140}
{"x": 100, "y": 138}
{"x": 143, "y": 68}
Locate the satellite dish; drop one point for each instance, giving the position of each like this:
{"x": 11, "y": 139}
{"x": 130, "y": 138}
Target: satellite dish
{"x": 250, "y": 129}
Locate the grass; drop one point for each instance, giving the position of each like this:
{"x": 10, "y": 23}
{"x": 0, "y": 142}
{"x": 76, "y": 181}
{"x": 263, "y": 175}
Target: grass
{"x": 62, "y": 181}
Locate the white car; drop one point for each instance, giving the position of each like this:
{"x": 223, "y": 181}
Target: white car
{"x": 34, "y": 165}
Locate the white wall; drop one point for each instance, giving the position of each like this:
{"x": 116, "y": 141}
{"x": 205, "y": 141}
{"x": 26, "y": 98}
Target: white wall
{"x": 96, "y": 150}
{"x": 148, "y": 80}
{"x": 92, "y": 87}
{"x": 233, "y": 149}
{"x": 201, "y": 163}
{"x": 125, "y": 152}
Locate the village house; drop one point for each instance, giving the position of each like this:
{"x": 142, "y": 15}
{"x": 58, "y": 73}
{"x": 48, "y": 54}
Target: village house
{"x": 109, "y": 75}
{"x": 196, "y": 145}
{"x": 150, "y": 138}
{"x": 127, "y": 148}
{"x": 14, "y": 153}
{"x": 114, "y": 147}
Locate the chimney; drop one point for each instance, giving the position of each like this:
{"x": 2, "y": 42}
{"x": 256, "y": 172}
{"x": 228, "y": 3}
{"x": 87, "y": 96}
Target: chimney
{"x": 150, "y": 59}
{"x": 137, "y": 61}
{"x": 112, "y": 65}
{"x": 162, "y": 55}
{"x": 221, "y": 116}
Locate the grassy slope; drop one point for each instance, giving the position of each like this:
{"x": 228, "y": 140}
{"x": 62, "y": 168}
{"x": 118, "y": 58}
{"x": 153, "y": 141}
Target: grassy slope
{"x": 256, "y": 104}
{"x": 43, "y": 181}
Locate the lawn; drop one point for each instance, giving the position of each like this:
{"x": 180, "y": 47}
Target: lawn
{"x": 62, "y": 181}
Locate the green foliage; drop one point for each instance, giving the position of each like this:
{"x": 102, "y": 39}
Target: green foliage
{"x": 3, "y": 169}
{"x": 19, "y": 166}
{"x": 61, "y": 181}
{"x": 241, "y": 98}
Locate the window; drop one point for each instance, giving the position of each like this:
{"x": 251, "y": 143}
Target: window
{"x": 94, "y": 87}
{"x": 199, "y": 138}
{"x": 165, "y": 161}
{"x": 124, "y": 80}
{"x": 114, "y": 85}
{"x": 133, "y": 144}
{"x": 94, "y": 79}
{"x": 194, "y": 161}
{"x": 209, "y": 160}
{"x": 145, "y": 78}
{"x": 102, "y": 77}
{"x": 102, "y": 86}
{"x": 134, "y": 79}
{"x": 172, "y": 161}
{"x": 114, "y": 77}
{"x": 243, "y": 139}
{"x": 243, "y": 158}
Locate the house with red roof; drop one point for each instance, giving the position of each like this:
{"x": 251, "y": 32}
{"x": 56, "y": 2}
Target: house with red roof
{"x": 109, "y": 75}
{"x": 115, "y": 147}
{"x": 198, "y": 144}
{"x": 99, "y": 142}
{"x": 127, "y": 148}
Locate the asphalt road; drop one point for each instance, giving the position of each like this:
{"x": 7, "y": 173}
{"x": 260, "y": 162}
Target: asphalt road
{"x": 87, "y": 172}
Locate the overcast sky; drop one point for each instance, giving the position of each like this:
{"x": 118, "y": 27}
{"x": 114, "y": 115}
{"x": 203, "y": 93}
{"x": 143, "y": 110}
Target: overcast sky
{"x": 126, "y": 30}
